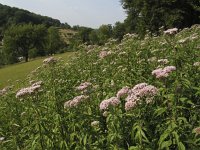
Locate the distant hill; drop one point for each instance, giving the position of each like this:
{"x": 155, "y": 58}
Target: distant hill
{"x": 67, "y": 34}
{"x": 11, "y": 15}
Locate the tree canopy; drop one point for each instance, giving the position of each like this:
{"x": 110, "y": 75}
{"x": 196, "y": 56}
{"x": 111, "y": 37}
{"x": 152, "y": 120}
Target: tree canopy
{"x": 29, "y": 41}
{"x": 12, "y": 15}
{"x": 19, "y": 39}
{"x": 151, "y": 14}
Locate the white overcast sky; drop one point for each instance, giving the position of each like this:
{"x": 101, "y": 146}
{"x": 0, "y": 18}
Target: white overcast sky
{"x": 90, "y": 13}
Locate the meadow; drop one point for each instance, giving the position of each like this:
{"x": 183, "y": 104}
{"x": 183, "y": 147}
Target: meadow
{"x": 140, "y": 94}
{"x": 12, "y": 74}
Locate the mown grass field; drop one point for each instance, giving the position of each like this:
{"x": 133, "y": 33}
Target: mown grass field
{"x": 12, "y": 74}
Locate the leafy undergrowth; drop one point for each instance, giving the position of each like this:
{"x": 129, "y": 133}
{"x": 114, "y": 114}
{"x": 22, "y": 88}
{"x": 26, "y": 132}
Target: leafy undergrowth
{"x": 136, "y": 95}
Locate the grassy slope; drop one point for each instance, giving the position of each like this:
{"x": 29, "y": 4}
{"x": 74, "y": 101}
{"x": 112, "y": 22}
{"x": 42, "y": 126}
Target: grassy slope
{"x": 66, "y": 34}
{"x": 11, "y": 73}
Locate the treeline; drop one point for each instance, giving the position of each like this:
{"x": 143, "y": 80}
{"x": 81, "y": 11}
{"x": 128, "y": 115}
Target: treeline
{"x": 98, "y": 36}
{"x": 29, "y": 41}
{"x": 25, "y": 35}
{"x": 149, "y": 15}
{"x": 12, "y": 15}
{"x": 144, "y": 16}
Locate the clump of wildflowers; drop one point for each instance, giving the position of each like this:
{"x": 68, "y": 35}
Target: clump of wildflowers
{"x": 75, "y": 101}
{"x": 3, "y": 91}
{"x": 152, "y": 59}
{"x": 37, "y": 83}
{"x": 49, "y": 60}
{"x": 197, "y": 130}
{"x": 2, "y": 138}
{"x": 130, "y": 104}
{"x": 139, "y": 91}
{"x": 104, "y": 53}
{"x": 171, "y": 31}
{"x": 163, "y": 61}
{"x": 105, "y": 113}
{"x": 113, "y": 101}
{"x": 162, "y": 73}
{"x": 83, "y": 86}
{"x": 95, "y": 124}
{"x": 122, "y": 92}
{"x": 196, "y": 64}
{"x": 29, "y": 90}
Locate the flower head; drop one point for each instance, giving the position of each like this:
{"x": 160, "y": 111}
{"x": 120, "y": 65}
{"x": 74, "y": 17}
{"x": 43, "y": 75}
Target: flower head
{"x": 2, "y": 138}
{"x": 75, "y": 101}
{"x": 83, "y": 86}
{"x": 139, "y": 91}
{"x": 113, "y": 101}
{"x": 163, "y": 61}
{"x": 171, "y": 31}
{"x": 197, "y": 130}
{"x": 29, "y": 90}
{"x": 50, "y": 60}
{"x": 105, "y": 113}
{"x": 130, "y": 105}
{"x": 122, "y": 92}
{"x": 196, "y": 64}
{"x": 3, "y": 92}
{"x": 162, "y": 73}
{"x": 104, "y": 53}
{"x": 95, "y": 124}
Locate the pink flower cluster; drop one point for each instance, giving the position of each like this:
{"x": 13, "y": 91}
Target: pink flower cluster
{"x": 160, "y": 73}
{"x": 83, "y": 86}
{"x": 29, "y": 90}
{"x": 104, "y": 53}
{"x": 75, "y": 101}
{"x": 50, "y": 60}
{"x": 142, "y": 90}
{"x": 171, "y": 31}
{"x": 113, "y": 101}
{"x": 122, "y": 92}
{"x": 197, "y": 130}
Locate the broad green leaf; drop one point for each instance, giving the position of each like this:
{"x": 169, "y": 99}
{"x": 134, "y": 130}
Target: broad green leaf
{"x": 160, "y": 111}
{"x": 181, "y": 146}
{"x": 134, "y": 148}
{"x": 166, "y": 144}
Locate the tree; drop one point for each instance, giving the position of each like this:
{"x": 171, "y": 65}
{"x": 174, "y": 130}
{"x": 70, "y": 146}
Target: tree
{"x": 119, "y": 30}
{"x": 94, "y": 39}
{"x": 84, "y": 33}
{"x": 104, "y": 33}
{"x": 19, "y": 39}
{"x": 151, "y": 14}
{"x": 54, "y": 40}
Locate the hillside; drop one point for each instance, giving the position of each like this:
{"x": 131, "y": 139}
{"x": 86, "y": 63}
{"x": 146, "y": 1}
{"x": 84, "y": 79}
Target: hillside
{"x": 12, "y": 15}
{"x": 21, "y": 70}
{"x": 135, "y": 95}
{"x": 67, "y": 34}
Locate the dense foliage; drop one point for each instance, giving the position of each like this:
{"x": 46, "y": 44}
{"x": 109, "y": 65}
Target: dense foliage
{"x": 12, "y": 15}
{"x": 139, "y": 94}
{"x": 30, "y": 41}
{"x": 152, "y": 14}
{"x": 99, "y": 36}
